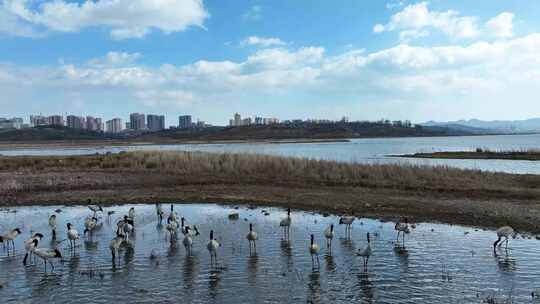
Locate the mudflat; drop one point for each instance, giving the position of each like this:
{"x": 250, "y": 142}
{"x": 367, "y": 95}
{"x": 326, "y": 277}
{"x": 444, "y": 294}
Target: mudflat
{"x": 441, "y": 194}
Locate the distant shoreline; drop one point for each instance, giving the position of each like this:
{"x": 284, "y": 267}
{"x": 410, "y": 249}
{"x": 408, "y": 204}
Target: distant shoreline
{"x": 532, "y": 155}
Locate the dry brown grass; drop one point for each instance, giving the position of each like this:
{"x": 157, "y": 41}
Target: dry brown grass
{"x": 256, "y": 169}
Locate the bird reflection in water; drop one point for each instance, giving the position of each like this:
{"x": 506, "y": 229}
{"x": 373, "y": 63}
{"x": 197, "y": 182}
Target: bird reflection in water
{"x": 347, "y": 245}
{"x": 213, "y": 283}
{"x": 330, "y": 263}
{"x": 286, "y": 252}
{"x": 366, "y": 288}
{"x": 505, "y": 261}
{"x": 190, "y": 269}
{"x": 252, "y": 269}
{"x": 314, "y": 288}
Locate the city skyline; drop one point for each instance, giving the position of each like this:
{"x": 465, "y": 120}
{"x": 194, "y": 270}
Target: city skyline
{"x": 439, "y": 60}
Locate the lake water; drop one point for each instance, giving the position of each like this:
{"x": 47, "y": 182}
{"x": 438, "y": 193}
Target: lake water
{"x": 373, "y": 150}
{"x": 441, "y": 263}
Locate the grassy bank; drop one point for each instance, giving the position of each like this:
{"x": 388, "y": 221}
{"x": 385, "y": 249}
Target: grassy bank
{"x": 425, "y": 193}
{"x": 532, "y": 155}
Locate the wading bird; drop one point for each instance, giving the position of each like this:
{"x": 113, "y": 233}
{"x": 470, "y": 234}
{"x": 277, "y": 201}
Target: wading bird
{"x": 172, "y": 227}
{"x": 314, "y": 251}
{"x": 402, "y": 227}
{"x": 89, "y": 225}
{"x": 347, "y": 221}
{"x": 173, "y": 216}
{"x": 115, "y": 245}
{"x": 131, "y": 214}
{"x": 252, "y": 238}
{"x": 286, "y": 224}
{"x": 47, "y": 254}
{"x": 213, "y": 246}
{"x": 30, "y": 245}
{"x": 365, "y": 252}
{"x": 193, "y": 230}
{"x": 159, "y": 212}
{"x": 504, "y": 232}
{"x": 329, "y": 235}
{"x": 94, "y": 208}
{"x": 188, "y": 241}
{"x": 10, "y": 238}
{"x": 72, "y": 235}
{"x": 52, "y": 224}
{"x": 126, "y": 225}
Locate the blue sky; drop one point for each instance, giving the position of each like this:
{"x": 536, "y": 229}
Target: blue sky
{"x": 417, "y": 60}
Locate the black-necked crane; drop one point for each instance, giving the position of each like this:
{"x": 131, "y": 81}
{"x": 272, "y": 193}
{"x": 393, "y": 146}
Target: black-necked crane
{"x": 30, "y": 245}
{"x": 127, "y": 226}
{"x": 213, "y": 246}
{"x": 347, "y": 221}
{"x": 72, "y": 235}
{"x": 187, "y": 241}
{"x": 115, "y": 244}
{"x": 9, "y": 238}
{"x": 193, "y": 230}
{"x": 329, "y": 235}
{"x": 159, "y": 212}
{"x": 172, "y": 227}
{"x": 47, "y": 254}
{"x": 94, "y": 208}
{"x": 173, "y": 216}
{"x": 52, "y": 224}
{"x": 286, "y": 224}
{"x": 314, "y": 251}
{"x": 504, "y": 232}
{"x": 131, "y": 214}
{"x": 365, "y": 252}
{"x": 252, "y": 237}
{"x": 89, "y": 225}
{"x": 402, "y": 226}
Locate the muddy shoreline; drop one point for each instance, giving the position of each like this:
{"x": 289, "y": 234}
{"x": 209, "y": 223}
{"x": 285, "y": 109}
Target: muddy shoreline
{"x": 450, "y": 196}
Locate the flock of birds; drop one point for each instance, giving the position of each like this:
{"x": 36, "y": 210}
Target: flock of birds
{"x": 125, "y": 228}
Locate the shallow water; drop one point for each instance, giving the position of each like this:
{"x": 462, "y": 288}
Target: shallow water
{"x": 441, "y": 263}
{"x": 371, "y": 150}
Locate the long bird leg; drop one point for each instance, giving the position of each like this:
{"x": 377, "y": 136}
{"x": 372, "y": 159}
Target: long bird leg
{"x": 318, "y": 263}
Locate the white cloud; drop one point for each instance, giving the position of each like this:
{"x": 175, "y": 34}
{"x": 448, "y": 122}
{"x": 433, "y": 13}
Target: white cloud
{"x": 392, "y": 5}
{"x": 502, "y": 25}
{"x": 115, "y": 59}
{"x": 491, "y": 79}
{"x": 125, "y": 18}
{"x": 262, "y": 41}
{"x": 417, "y": 17}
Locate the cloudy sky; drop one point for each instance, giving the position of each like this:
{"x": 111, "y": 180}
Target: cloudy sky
{"x": 440, "y": 60}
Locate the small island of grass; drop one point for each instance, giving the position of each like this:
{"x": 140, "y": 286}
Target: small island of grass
{"x": 531, "y": 155}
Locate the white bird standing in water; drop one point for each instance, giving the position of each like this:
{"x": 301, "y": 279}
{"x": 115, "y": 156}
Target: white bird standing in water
{"x": 504, "y": 232}
{"x": 173, "y": 216}
{"x": 30, "y": 245}
{"x": 329, "y": 235}
{"x": 159, "y": 212}
{"x": 89, "y": 225}
{"x": 365, "y": 252}
{"x": 314, "y": 251}
{"x": 188, "y": 241}
{"x": 286, "y": 224}
{"x": 193, "y": 230}
{"x": 47, "y": 254}
{"x": 52, "y": 224}
{"x": 402, "y": 227}
{"x": 347, "y": 221}
{"x": 252, "y": 238}
{"x": 72, "y": 235}
{"x": 115, "y": 245}
{"x": 172, "y": 227}
{"x": 10, "y": 237}
{"x": 131, "y": 214}
{"x": 213, "y": 246}
{"x": 94, "y": 208}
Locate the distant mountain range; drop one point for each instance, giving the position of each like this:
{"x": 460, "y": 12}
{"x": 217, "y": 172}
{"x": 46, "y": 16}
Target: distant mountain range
{"x": 496, "y": 126}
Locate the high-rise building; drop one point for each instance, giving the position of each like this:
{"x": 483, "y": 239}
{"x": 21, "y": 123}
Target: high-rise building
{"x": 38, "y": 120}
{"x": 246, "y": 121}
{"x": 137, "y": 121}
{"x": 56, "y": 120}
{"x": 258, "y": 120}
{"x": 76, "y": 122}
{"x": 237, "y": 120}
{"x": 11, "y": 123}
{"x": 184, "y": 122}
{"x": 94, "y": 124}
{"x": 114, "y": 125}
{"x": 155, "y": 122}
